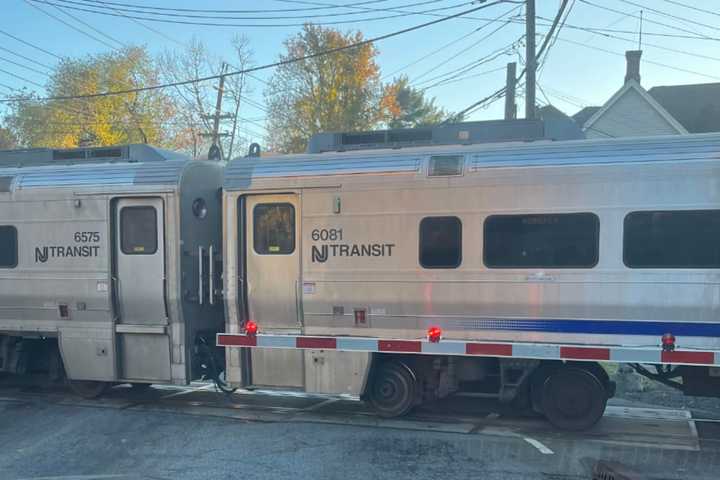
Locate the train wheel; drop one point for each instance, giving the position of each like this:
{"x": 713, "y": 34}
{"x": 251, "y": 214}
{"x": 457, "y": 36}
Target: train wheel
{"x": 392, "y": 391}
{"x": 573, "y": 398}
{"x": 88, "y": 388}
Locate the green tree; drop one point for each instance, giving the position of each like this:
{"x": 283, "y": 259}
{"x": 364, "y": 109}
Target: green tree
{"x": 334, "y": 92}
{"x": 407, "y": 107}
{"x": 139, "y": 117}
{"x": 7, "y": 139}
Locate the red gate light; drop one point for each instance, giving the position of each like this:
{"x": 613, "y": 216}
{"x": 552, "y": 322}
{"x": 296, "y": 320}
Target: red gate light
{"x": 251, "y": 327}
{"x": 434, "y": 334}
{"x": 668, "y": 342}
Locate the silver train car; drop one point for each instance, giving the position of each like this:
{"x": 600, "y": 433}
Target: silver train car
{"x": 506, "y": 270}
{"x": 109, "y": 264}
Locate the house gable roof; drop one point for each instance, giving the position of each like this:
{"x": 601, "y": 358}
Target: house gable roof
{"x": 632, "y": 84}
{"x": 696, "y": 106}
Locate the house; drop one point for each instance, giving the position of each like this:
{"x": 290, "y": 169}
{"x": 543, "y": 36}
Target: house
{"x": 631, "y": 111}
{"x": 663, "y": 110}
{"x": 696, "y": 107}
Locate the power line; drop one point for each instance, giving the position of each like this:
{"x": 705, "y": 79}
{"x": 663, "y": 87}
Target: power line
{"x": 669, "y": 15}
{"x": 498, "y": 94}
{"x": 281, "y": 10}
{"x": 30, "y": 45}
{"x": 28, "y": 59}
{"x": 691, "y": 7}
{"x": 68, "y": 24}
{"x": 466, "y": 77}
{"x": 254, "y": 25}
{"x": 671, "y": 67}
{"x": 673, "y": 27}
{"x": 654, "y": 45}
{"x": 82, "y": 22}
{"x": 24, "y": 66}
{"x": 460, "y": 52}
{"x": 453, "y": 42}
{"x": 21, "y": 78}
{"x": 278, "y": 63}
{"x": 273, "y": 17}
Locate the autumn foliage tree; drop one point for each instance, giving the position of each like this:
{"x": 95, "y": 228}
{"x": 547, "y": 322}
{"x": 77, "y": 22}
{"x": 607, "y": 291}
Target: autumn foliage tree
{"x": 407, "y": 107}
{"x": 139, "y": 117}
{"x": 334, "y": 92}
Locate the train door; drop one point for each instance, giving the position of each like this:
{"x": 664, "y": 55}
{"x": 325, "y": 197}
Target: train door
{"x": 143, "y": 342}
{"x": 273, "y": 275}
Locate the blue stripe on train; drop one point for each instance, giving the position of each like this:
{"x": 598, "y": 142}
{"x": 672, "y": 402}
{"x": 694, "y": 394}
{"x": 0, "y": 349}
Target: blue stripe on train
{"x": 611, "y": 327}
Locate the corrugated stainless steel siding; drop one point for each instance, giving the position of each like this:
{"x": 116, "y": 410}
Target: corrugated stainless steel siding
{"x": 658, "y": 149}
{"x": 98, "y": 175}
{"x": 241, "y": 172}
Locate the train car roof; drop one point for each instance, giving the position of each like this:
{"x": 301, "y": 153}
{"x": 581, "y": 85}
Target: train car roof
{"x": 119, "y": 166}
{"x": 242, "y": 172}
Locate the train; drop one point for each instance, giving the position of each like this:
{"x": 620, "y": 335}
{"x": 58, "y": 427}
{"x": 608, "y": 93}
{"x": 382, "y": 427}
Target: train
{"x": 512, "y": 270}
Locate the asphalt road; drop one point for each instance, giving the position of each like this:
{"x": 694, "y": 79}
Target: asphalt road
{"x": 171, "y": 433}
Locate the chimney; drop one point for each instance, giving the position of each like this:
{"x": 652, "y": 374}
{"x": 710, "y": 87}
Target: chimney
{"x": 633, "y": 65}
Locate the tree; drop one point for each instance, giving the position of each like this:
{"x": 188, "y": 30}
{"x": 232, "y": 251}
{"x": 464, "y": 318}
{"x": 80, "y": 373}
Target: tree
{"x": 407, "y": 107}
{"x": 333, "y": 92}
{"x": 138, "y": 117}
{"x": 7, "y": 139}
{"x": 195, "y": 102}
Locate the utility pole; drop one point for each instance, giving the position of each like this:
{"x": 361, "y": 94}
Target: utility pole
{"x": 215, "y": 152}
{"x": 510, "y": 107}
{"x": 531, "y": 61}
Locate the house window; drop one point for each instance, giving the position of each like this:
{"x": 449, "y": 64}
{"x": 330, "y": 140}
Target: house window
{"x": 557, "y": 240}
{"x": 672, "y": 239}
{"x": 138, "y": 230}
{"x": 8, "y": 246}
{"x": 440, "y": 242}
{"x": 274, "y": 229}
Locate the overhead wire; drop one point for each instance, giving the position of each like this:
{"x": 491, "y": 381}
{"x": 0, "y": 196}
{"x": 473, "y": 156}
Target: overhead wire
{"x": 673, "y": 27}
{"x": 260, "y": 25}
{"x": 197, "y": 10}
{"x": 449, "y": 44}
{"x": 501, "y": 91}
{"x": 255, "y": 17}
{"x": 286, "y": 61}
{"x": 669, "y": 15}
{"x": 69, "y": 25}
{"x": 40, "y": 49}
{"x": 691, "y": 7}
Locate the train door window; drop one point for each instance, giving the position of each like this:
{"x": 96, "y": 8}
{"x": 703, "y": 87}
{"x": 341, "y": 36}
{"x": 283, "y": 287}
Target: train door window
{"x": 274, "y": 229}
{"x": 440, "y": 242}
{"x": 8, "y": 246}
{"x": 672, "y": 239}
{"x": 558, "y": 240}
{"x": 138, "y": 230}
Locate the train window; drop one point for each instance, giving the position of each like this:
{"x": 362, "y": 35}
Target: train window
{"x": 138, "y": 230}
{"x": 8, "y": 246}
{"x": 672, "y": 239}
{"x": 274, "y": 229}
{"x": 558, "y": 240}
{"x": 440, "y": 242}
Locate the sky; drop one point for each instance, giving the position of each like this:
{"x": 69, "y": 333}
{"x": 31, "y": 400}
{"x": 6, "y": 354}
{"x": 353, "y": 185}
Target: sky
{"x": 680, "y": 42}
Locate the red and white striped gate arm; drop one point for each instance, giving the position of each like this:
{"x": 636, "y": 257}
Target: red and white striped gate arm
{"x": 549, "y": 351}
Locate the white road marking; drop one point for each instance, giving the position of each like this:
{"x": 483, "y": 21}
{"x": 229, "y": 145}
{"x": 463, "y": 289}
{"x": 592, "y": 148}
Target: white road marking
{"x": 189, "y": 390}
{"x": 542, "y": 448}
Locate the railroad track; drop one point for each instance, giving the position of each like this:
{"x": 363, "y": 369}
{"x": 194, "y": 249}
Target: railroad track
{"x": 622, "y": 425}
